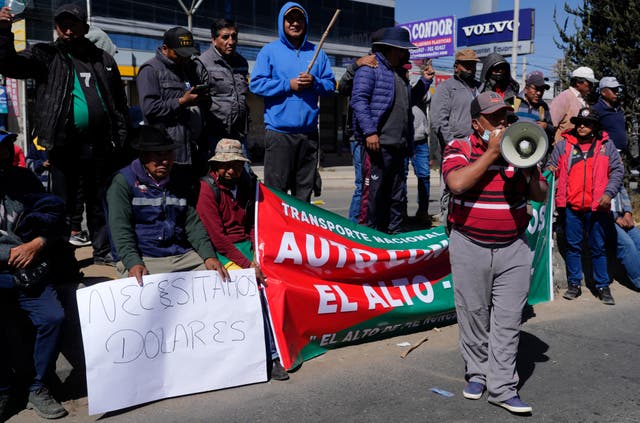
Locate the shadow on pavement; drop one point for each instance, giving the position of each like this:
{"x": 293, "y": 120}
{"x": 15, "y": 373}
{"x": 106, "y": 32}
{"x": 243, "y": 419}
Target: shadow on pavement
{"x": 531, "y": 350}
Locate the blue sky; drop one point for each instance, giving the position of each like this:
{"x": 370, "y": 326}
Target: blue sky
{"x": 546, "y": 52}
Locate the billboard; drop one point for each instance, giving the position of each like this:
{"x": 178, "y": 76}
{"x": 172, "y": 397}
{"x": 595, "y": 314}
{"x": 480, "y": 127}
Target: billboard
{"x": 493, "y": 32}
{"x": 434, "y": 37}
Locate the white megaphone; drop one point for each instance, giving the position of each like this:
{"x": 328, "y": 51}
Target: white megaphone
{"x": 524, "y": 144}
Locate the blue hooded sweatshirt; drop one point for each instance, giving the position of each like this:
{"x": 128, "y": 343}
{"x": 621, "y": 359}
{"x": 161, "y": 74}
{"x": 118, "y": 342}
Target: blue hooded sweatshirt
{"x": 286, "y": 110}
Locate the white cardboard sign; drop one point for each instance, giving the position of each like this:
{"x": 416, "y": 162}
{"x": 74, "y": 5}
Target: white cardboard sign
{"x": 180, "y": 333}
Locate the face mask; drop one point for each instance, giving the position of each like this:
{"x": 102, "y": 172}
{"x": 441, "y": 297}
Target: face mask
{"x": 485, "y": 134}
{"x": 497, "y": 77}
{"x": 466, "y": 75}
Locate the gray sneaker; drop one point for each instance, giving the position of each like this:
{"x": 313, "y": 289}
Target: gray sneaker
{"x": 45, "y": 405}
{"x": 605, "y": 296}
{"x": 278, "y": 372}
{"x": 81, "y": 239}
{"x": 573, "y": 292}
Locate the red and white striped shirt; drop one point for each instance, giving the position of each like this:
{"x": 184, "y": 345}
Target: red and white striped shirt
{"x": 494, "y": 210}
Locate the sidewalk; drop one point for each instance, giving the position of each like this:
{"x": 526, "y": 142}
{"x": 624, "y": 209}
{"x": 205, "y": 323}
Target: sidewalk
{"x": 343, "y": 176}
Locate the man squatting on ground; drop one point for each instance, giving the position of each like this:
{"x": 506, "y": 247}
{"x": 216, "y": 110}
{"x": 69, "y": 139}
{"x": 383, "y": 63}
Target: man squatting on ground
{"x": 226, "y": 206}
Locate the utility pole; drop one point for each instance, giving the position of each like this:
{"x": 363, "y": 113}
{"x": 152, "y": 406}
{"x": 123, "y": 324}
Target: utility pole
{"x": 190, "y": 12}
{"x": 514, "y": 47}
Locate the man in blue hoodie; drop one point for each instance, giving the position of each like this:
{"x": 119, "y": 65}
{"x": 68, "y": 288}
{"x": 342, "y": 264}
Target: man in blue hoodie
{"x": 291, "y": 103}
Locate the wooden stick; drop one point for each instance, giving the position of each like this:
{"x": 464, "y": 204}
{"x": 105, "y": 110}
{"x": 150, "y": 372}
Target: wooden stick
{"x": 324, "y": 36}
{"x": 422, "y": 341}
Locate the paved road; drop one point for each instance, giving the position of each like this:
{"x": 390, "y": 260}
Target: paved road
{"x": 578, "y": 363}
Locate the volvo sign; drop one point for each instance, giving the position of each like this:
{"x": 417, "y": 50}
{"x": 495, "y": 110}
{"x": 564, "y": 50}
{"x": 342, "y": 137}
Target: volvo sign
{"x": 493, "y": 32}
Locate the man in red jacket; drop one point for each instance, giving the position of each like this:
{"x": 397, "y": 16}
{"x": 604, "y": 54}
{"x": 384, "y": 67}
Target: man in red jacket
{"x": 226, "y": 206}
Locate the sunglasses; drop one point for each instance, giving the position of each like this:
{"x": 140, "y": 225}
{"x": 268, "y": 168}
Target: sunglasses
{"x": 586, "y": 123}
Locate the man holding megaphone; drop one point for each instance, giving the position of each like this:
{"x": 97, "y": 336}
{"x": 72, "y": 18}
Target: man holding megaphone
{"x": 490, "y": 257}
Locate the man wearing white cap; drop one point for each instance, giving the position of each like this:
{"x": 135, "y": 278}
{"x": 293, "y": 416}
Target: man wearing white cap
{"x": 567, "y": 104}
{"x": 611, "y": 114}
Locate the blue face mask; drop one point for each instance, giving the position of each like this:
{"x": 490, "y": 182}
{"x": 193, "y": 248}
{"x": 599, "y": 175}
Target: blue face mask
{"x": 485, "y": 135}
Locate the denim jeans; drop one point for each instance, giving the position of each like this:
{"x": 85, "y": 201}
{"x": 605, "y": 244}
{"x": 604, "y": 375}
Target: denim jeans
{"x": 420, "y": 162}
{"x": 597, "y": 226}
{"x": 356, "y": 154}
{"x": 628, "y": 252}
{"x": 46, "y": 314}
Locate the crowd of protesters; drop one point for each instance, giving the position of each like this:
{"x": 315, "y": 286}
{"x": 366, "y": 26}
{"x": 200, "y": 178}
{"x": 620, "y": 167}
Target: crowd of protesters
{"x": 185, "y": 200}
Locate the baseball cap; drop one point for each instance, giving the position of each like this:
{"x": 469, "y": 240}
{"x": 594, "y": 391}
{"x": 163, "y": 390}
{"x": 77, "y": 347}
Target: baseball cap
{"x": 537, "y": 72}
{"x": 584, "y": 73}
{"x": 71, "y": 9}
{"x": 537, "y": 80}
{"x": 487, "y": 103}
{"x": 609, "y": 82}
{"x": 466, "y": 55}
{"x": 228, "y": 150}
{"x": 294, "y": 8}
{"x": 180, "y": 40}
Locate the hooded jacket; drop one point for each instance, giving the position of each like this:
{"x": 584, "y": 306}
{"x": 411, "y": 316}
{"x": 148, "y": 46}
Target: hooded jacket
{"x": 511, "y": 90}
{"x": 603, "y": 165}
{"x": 278, "y": 62}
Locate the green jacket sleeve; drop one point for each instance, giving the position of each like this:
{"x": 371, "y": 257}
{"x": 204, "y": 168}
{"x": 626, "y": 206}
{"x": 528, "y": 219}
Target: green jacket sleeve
{"x": 197, "y": 235}
{"x": 121, "y": 222}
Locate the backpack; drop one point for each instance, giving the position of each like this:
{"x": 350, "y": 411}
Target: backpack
{"x": 248, "y": 181}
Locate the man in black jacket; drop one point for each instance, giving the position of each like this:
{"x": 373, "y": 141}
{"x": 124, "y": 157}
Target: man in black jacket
{"x": 80, "y": 112}
{"x": 30, "y": 224}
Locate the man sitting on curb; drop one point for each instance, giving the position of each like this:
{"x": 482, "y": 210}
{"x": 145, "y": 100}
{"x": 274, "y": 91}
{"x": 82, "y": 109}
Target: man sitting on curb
{"x": 227, "y": 208}
{"x": 153, "y": 226}
{"x": 30, "y": 222}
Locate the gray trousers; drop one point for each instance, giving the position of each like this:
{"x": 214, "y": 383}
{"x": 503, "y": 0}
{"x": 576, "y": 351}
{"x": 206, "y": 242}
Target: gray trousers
{"x": 181, "y": 263}
{"x": 490, "y": 288}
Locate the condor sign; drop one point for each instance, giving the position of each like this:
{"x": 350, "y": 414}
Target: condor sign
{"x": 434, "y": 37}
{"x": 493, "y": 32}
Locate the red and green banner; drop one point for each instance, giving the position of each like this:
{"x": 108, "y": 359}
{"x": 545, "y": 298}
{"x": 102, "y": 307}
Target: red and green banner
{"x": 539, "y": 234}
{"x": 331, "y": 282}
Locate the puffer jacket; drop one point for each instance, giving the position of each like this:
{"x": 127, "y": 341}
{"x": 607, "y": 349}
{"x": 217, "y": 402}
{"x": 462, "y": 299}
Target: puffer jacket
{"x": 606, "y": 171}
{"x": 50, "y": 66}
{"x": 372, "y": 96}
